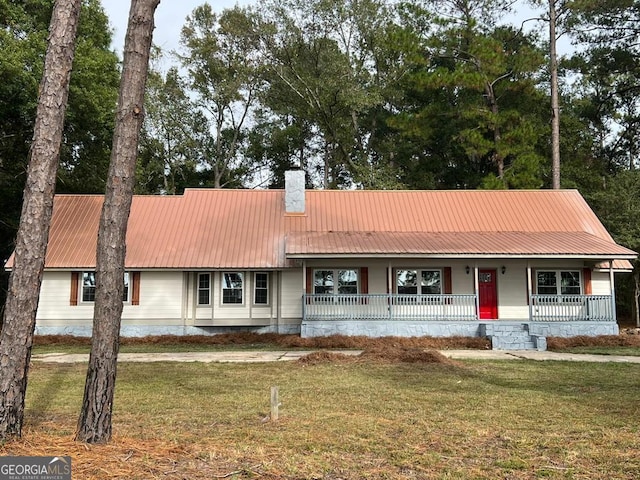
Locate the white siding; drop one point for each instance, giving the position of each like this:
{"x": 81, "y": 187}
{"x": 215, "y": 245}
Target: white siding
{"x": 512, "y": 289}
{"x": 600, "y": 284}
{"x": 159, "y": 303}
{"x": 168, "y": 298}
{"x": 160, "y": 297}
{"x": 54, "y": 303}
{"x": 293, "y": 285}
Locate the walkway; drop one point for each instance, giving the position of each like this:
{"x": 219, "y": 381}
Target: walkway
{"x": 250, "y": 356}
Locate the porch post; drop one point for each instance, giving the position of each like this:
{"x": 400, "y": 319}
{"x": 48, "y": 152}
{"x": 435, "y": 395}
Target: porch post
{"x": 390, "y": 289}
{"x": 476, "y": 287}
{"x": 529, "y": 291}
{"x": 304, "y": 290}
{"x": 613, "y": 291}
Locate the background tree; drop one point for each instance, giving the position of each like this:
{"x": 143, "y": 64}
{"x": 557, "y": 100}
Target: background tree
{"x": 88, "y": 124}
{"x": 174, "y": 133}
{"x": 94, "y": 423}
{"x": 332, "y": 66}
{"x": 555, "y": 103}
{"x": 92, "y": 98}
{"x": 21, "y": 306}
{"x": 618, "y": 205}
{"x": 471, "y": 108}
{"x": 222, "y": 57}
{"x": 608, "y": 69}
{"x": 608, "y": 65}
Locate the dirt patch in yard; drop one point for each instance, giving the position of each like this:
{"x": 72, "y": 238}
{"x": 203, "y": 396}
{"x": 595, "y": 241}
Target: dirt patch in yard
{"x": 323, "y": 356}
{"x": 395, "y": 354}
{"x": 380, "y": 354}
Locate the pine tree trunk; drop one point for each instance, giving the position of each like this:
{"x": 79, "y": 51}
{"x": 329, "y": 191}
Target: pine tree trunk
{"x": 555, "y": 107}
{"x": 94, "y": 423}
{"x": 21, "y": 305}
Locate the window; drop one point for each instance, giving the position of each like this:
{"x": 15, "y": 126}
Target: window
{"x": 204, "y": 289}
{"x": 261, "y": 288}
{"x": 89, "y": 287}
{"x": 430, "y": 282}
{"x": 332, "y": 282}
{"x": 561, "y": 282}
{"x": 232, "y": 285}
{"x": 125, "y": 294}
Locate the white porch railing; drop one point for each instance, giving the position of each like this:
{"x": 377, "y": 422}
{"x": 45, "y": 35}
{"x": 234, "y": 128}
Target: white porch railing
{"x": 542, "y": 308}
{"x": 557, "y": 308}
{"x": 389, "y": 307}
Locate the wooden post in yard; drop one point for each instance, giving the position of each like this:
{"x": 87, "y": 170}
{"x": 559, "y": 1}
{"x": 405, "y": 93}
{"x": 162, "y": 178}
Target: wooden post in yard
{"x": 275, "y": 404}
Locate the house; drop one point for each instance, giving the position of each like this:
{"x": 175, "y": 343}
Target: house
{"x": 516, "y": 266}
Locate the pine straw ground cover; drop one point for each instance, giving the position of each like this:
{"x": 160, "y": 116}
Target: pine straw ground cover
{"x": 253, "y": 341}
{"x": 627, "y": 343}
{"x": 392, "y": 413}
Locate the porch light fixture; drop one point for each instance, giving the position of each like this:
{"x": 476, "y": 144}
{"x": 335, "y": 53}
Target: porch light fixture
{"x": 504, "y": 269}
{"x": 467, "y": 269}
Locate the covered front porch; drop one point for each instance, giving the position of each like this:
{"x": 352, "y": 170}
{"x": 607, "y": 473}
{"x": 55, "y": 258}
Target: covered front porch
{"x": 516, "y": 303}
{"x": 379, "y": 315}
{"x": 450, "y": 307}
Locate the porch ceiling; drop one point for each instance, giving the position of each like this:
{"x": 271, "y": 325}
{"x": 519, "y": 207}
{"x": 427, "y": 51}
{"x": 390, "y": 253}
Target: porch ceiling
{"x": 505, "y": 244}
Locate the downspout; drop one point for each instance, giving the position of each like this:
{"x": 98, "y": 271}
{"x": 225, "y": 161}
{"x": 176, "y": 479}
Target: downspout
{"x": 613, "y": 292}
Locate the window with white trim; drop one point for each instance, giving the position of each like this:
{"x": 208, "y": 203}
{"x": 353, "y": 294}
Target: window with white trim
{"x": 558, "y": 282}
{"x": 204, "y": 289}
{"x": 422, "y": 281}
{"x": 261, "y": 288}
{"x": 125, "y": 294}
{"x": 232, "y": 288}
{"x": 335, "y": 281}
{"x": 89, "y": 287}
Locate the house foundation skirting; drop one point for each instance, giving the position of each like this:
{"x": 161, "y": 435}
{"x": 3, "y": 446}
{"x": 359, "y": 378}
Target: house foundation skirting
{"x": 507, "y": 335}
{"x": 147, "y": 330}
{"x": 495, "y": 328}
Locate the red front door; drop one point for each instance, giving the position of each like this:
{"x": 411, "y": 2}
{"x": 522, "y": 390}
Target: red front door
{"x": 488, "y": 294}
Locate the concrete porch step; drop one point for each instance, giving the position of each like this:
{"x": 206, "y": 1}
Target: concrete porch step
{"x": 512, "y": 337}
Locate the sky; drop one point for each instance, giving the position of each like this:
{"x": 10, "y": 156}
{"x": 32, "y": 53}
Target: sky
{"x": 169, "y": 17}
{"x": 171, "y": 14}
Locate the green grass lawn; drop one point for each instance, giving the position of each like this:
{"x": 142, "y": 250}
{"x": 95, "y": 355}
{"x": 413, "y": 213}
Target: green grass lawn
{"x": 348, "y": 420}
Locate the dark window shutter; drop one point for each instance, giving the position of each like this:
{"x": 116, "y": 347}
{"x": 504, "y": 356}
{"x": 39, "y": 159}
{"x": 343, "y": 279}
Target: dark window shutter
{"x": 309, "y": 282}
{"x": 73, "y": 296}
{"x": 448, "y": 289}
{"x": 364, "y": 280}
{"x": 586, "y": 278}
{"x": 135, "y": 288}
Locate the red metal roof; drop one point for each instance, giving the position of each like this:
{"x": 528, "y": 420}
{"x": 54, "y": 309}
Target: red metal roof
{"x": 211, "y": 229}
{"x": 478, "y": 244}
